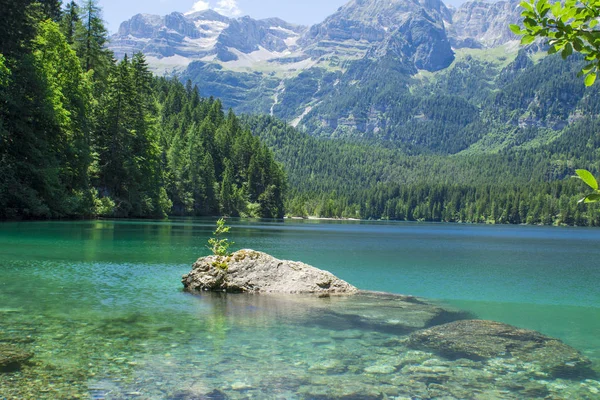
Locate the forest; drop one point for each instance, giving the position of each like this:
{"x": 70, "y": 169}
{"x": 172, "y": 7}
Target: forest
{"x": 82, "y": 135}
{"x": 364, "y": 180}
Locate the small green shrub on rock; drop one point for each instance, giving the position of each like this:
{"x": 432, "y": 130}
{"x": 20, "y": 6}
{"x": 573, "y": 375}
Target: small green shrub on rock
{"x": 220, "y": 246}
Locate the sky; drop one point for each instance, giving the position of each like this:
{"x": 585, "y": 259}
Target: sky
{"x": 305, "y": 12}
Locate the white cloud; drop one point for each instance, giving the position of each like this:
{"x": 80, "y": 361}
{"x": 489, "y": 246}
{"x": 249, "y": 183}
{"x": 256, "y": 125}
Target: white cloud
{"x": 200, "y": 5}
{"x": 228, "y": 8}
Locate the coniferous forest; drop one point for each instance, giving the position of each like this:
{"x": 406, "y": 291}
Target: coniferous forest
{"x": 82, "y": 135}
{"x": 350, "y": 179}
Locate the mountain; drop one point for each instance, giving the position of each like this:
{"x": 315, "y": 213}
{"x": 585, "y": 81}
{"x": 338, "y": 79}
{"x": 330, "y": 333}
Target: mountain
{"x": 413, "y": 30}
{"x": 412, "y": 74}
{"x": 483, "y": 24}
{"x": 175, "y": 40}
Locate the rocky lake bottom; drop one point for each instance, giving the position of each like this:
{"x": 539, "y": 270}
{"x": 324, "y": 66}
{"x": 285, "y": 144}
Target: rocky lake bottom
{"x": 275, "y": 347}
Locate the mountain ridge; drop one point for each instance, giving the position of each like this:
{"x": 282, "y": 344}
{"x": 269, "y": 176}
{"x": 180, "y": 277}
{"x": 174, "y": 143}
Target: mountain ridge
{"x": 350, "y": 33}
{"x": 412, "y": 73}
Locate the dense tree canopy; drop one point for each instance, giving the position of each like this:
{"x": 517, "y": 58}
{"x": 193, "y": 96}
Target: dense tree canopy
{"x": 83, "y": 135}
{"x": 357, "y": 180}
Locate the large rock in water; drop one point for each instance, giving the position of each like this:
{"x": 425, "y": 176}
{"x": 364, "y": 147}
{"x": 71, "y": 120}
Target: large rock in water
{"x": 255, "y": 272}
{"x": 481, "y": 340}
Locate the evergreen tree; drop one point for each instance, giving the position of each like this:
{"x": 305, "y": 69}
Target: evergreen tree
{"x": 92, "y": 41}
{"x": 228, "y": 191}
{"x": 71, "y": 22}
{"x": 52, "y": 9}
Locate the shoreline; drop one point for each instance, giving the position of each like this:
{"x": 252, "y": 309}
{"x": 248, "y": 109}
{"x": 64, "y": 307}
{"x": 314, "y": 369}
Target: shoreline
{"x": 291, "y": 218}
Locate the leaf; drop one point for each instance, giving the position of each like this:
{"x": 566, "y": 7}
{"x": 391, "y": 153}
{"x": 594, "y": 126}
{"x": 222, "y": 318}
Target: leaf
{"x": 590, "y": 79}
{"x": 587, "y": 176}
{"x": 556, "y": 9}
{"x": 593, "y": 23}
{"x": 516, "y": 29}
{"x": 588, "y": 68}
{"x": 527, "y": 39}
{"x": 530, "y": 23}
{"x": 541, "y": 5}
{"x": 526, "y": 5}
{"x": 567, "y": 51}
{"x": 591, "y": 198}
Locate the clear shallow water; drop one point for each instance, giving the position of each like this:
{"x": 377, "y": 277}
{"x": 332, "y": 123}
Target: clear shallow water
{"x": 101, "y": 305}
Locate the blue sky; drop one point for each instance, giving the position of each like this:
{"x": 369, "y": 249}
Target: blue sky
{"x": 305, "y": 12}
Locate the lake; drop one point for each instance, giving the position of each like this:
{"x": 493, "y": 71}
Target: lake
{"x": 100, "y": 303}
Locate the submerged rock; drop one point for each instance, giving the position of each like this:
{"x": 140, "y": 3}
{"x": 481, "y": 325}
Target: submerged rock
{"x": 256, "y": 272}
{"x": 11, "y": 357}
{"x": 390, "y": 313}
{"x": 481, "y": 340}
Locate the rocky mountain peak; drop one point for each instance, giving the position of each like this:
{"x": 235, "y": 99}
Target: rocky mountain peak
{"x": 177, "y": 39}
{"x": 207, "y": 15}
{"x": 483, "y": 24}
{"x": 421, "y": 33}
{"x": 378, "y": 27}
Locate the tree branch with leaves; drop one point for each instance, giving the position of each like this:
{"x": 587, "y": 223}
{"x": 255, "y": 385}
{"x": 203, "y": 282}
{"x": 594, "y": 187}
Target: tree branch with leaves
{"x": 589, "y": 180}
{"x": 569, "y": 27}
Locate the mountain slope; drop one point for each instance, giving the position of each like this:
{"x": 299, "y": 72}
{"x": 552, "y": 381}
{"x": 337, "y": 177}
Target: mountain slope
{"x": 413, "y": 74}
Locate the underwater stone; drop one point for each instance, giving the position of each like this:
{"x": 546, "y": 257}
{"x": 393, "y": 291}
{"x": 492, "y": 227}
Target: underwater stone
{"x": 329, "y": 367}
{"x": 347, "y": 334}
{"x": 11, "y": 357}
{"x": 482, "y": 340}
{"x": 380, "y": 369}
{"x": 256, "y": 272}
{"x": 240, "y": 386}
{"x": 397, "y": 314}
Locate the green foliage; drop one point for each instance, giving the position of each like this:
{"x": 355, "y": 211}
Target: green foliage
{"x": 4, "y": 73}
{"x": 338, "y": 179}
{"x": 587, "y": 177}
{"x": 569, "y": 27}
{"x": 220, "y": 245}
{"x": 82, "y": 135}
{"x": 214, "y": 164}
{"x": 90, "y": 38}
{"x": 51, "y": 9}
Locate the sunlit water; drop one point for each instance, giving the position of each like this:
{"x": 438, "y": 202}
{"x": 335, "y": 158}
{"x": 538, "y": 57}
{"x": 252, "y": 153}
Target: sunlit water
{"x": 101, "y": 306}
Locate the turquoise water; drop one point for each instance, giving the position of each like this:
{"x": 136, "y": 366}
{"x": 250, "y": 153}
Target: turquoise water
{"x": 100, "y": 304}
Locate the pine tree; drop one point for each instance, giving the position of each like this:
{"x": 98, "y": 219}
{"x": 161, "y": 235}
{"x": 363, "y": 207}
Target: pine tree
{"x": 71, "y": 22}
{"x": 92, "y": 41}
{"x": 52, "y": 9}
{"x": 17, "y": 27}
{"x": 228, "y": 190}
